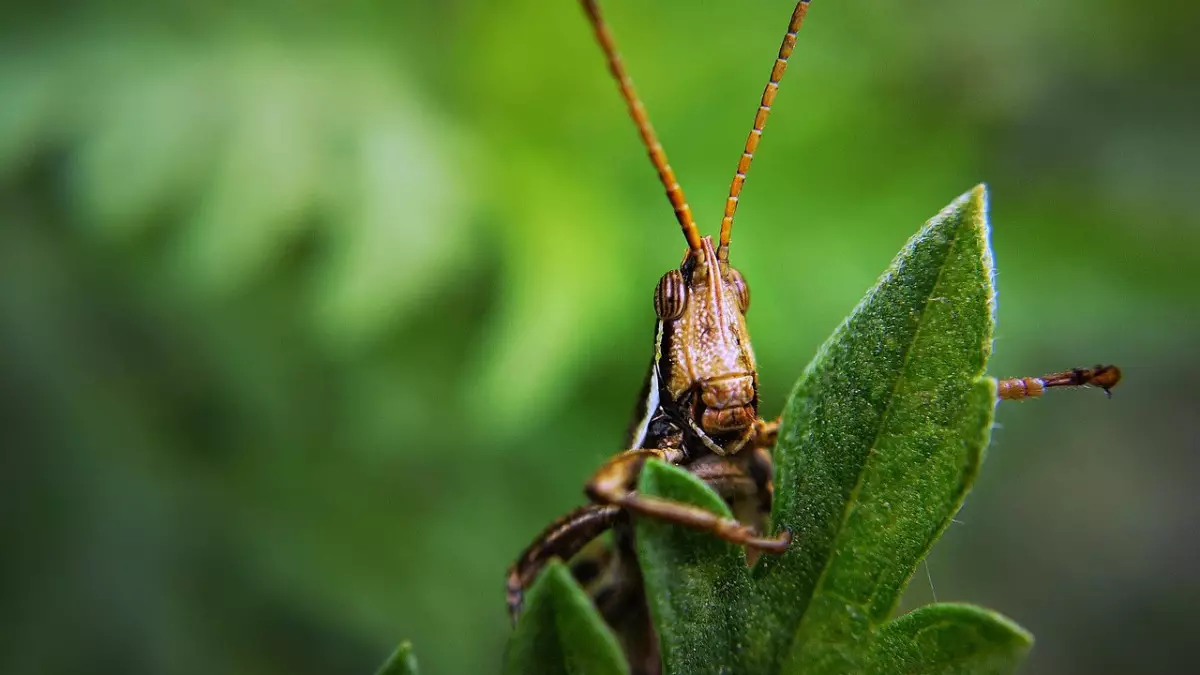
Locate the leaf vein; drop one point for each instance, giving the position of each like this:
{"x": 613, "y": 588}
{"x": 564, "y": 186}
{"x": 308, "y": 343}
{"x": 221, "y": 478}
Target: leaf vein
{"x": 883, "y": 422}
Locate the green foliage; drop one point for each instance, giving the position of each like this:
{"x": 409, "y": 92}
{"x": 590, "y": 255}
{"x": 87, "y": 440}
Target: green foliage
{"x": 700, "y": 595}
{"x": 879, "y": 444}
{"x": 945, "y": 639}
{"x": 881, "y": 440}
{"x": 310, "y": 315}
{"x": 564, "y": 634}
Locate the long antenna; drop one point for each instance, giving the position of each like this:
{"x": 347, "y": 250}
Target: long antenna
{"x": 683, "y": 212}
{"x": 760, "y": 121}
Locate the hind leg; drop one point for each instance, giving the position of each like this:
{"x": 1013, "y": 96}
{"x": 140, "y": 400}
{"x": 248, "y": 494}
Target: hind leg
{"x": 562, "y": 539}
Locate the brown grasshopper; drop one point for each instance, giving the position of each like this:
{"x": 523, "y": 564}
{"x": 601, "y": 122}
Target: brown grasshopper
{"x": 698, "y": 408}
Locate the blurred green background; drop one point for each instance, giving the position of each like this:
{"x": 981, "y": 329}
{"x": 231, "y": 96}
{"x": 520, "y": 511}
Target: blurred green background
{"x": 312, "y": 314}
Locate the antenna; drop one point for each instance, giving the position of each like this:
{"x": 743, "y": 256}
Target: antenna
{"x": 683, "y": 212}
{"x": 760, "y": 121}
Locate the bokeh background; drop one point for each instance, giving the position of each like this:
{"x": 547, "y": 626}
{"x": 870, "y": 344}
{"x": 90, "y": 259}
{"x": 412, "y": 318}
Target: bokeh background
{"x": 312, "y": 314}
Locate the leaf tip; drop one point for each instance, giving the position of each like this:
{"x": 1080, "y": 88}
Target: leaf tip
{"x": 561, "y": 631}
{"x": 972, "y": 206}
{"x": 672, "y": 482}
{"x": 951, "y": 637}
{"x": 401, "y": 662}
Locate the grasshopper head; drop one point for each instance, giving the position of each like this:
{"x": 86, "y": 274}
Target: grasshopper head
{"x": 705, "y": 359}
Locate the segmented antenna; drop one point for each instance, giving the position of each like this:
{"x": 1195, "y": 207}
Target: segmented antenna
{"x": 760, "y": 121}
{"x": 683, "y": 213}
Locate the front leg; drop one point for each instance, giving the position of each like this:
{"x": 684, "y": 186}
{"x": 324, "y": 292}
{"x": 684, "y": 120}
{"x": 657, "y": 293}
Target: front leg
{"x": 616, "y": 481}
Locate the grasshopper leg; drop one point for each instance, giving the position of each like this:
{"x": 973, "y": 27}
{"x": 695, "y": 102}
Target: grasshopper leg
{"x": 561, "y": 539}
{"x": 762, "y": 469}
{"x": 1019, "y": 388}
{"x": 765, "y": 434}
{"x": 614, "y": 484}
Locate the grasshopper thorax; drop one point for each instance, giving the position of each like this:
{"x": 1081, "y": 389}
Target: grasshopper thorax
{"x": 706, "y": 375}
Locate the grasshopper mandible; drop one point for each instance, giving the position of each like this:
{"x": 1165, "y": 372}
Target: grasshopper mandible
{"x": 698, "y": 408}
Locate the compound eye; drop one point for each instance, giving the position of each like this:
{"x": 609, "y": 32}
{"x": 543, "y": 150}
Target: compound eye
{"x": 740, "y": 288}
{"x": 670, "y": 296}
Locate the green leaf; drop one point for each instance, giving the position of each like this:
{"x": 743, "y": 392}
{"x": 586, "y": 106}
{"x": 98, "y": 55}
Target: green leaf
{"x": 697, "y": 584}
{"x": 949, "y": 639}
{"x": 561, "y": 631}
{"x": 401, "y": 662}
{"x": 880, "y": 441}
{"x": 879, "y": 444}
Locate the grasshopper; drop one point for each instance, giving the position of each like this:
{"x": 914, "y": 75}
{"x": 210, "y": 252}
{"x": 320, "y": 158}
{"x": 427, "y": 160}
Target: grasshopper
{"x": 698, "y": 407}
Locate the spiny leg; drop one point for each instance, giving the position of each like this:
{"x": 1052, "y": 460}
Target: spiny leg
{"x": 620, "y": 596}
{"x": 762, "y": 434}
{"x": 766, "y": 433}
{"x": 1009, "y": 389}
{"x": 561, "y": 539}
{"x": 1018, "y": 388}
{"x": 614, "y": 484}
{"x": 762, "y": 470}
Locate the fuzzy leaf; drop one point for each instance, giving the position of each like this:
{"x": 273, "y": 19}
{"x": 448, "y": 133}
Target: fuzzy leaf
{"x": 561, "y": 632}
{"x": 401, "y": 662}
{"x": 949, "y": 639}
{"x": 880, "y": 441}
{"x": 697, "y": 584}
